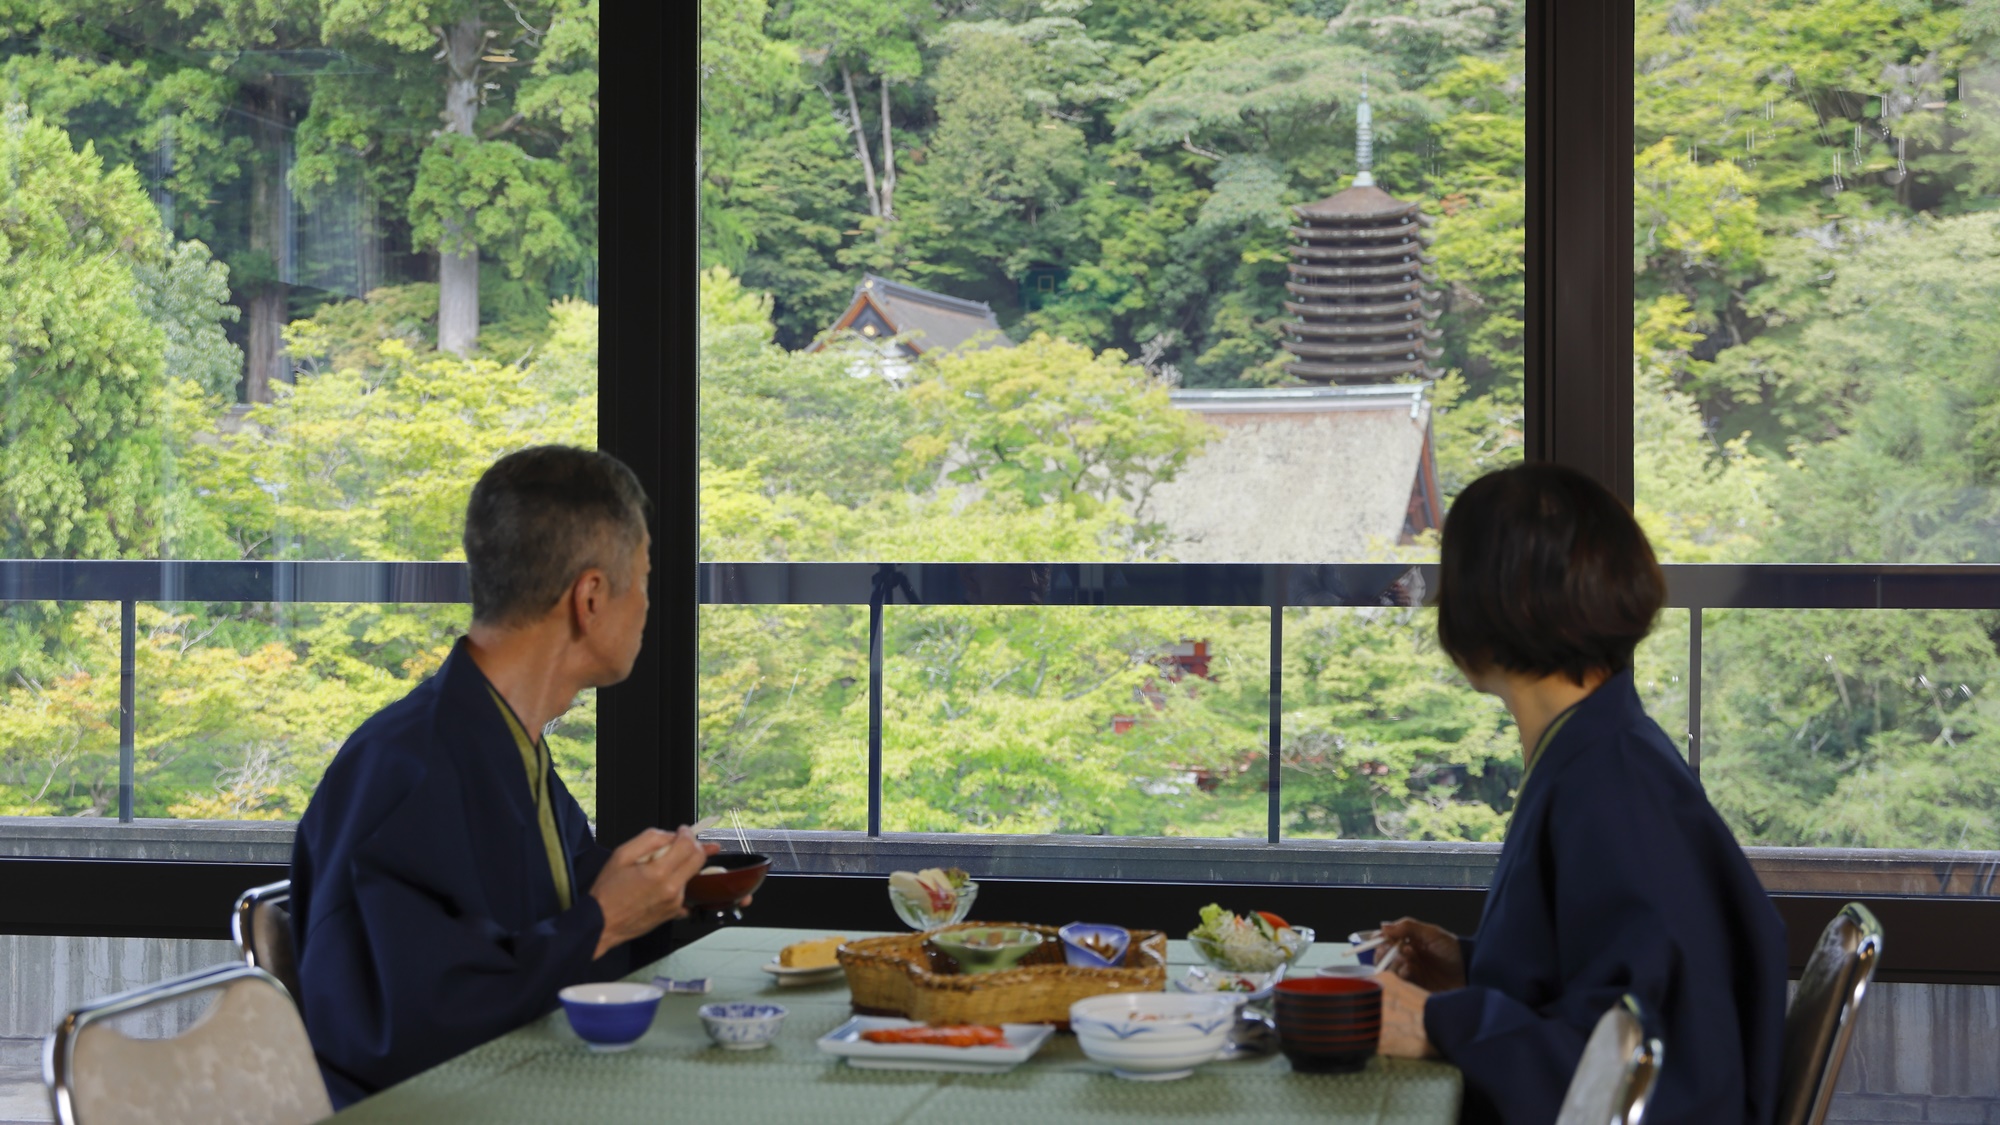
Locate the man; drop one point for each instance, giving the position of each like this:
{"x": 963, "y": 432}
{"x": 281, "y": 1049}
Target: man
{"x": 445, "y": 885}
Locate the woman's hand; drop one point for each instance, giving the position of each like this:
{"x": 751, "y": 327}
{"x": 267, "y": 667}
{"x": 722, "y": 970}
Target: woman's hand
{"x": 1427, "y": 956}
{"x": 1403, "y": 1034}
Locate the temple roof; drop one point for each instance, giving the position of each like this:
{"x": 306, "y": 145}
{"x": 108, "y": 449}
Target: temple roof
{"x": 935, "y": 321}
{"x": 1302, "y": 474}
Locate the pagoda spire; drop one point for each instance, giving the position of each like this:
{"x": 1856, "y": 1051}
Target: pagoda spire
{"x": 1364, "y": 139}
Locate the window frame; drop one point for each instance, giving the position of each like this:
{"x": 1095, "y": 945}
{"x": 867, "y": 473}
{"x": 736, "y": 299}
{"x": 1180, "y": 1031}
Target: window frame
{"x": 1578, "y": 411}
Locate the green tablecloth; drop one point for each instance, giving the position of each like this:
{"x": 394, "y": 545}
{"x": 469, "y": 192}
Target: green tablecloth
{"x": 543, "y": 1072}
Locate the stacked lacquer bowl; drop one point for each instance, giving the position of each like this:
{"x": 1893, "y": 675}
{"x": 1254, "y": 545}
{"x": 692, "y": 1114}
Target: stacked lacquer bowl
{"x": 1328, "y": 1024}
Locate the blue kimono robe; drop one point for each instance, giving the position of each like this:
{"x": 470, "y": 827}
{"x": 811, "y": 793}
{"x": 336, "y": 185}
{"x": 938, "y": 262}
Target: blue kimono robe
{"x": 424, "y": 909}
{"x": 1618, "y": 876}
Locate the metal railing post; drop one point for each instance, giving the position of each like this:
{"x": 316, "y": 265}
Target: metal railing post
{"x": 1694, "y": 691}
{"x": 128, "y": 675}
{"x": 1274, "y": 828}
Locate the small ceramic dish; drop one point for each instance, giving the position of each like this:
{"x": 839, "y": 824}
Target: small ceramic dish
{"x": 1243, "y": 988}
{"x": 987, "y": 949}
{"x": 741, "y": 1026}
{"x": 742, "y": 873}
{"x": 613, "y": 1015}
{"x": 788, "y": 976}
{"x": 1093, "y": 945}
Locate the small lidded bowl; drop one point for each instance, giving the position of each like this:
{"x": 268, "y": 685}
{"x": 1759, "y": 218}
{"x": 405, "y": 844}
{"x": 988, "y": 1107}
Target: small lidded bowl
{"x": 987, "y": 949}
{"x": 613, "y": 1015}
{"x": 742, "y": 1025}
{"x": 1094, "y": 945}
{"x": 1153, "y": 1036}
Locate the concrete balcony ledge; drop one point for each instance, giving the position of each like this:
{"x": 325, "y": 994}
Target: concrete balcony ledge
{"x": 185, "y": 841}
{"x": 1391, "y": 863}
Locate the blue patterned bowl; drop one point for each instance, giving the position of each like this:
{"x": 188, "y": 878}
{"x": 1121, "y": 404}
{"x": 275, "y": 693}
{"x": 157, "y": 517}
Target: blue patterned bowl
{"x": 611, "y": 1016}
{"x": 742, "y": 1026}
{"x": 1086, "y": 955}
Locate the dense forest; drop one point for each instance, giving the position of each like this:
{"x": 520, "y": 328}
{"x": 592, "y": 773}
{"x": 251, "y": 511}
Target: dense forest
{"x": 1815, "y": 376}
{"x": 268, "y": 223}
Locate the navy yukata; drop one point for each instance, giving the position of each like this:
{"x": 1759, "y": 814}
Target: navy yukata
{"x": 1618, "y": 876}
{"x": 424, "y": 904}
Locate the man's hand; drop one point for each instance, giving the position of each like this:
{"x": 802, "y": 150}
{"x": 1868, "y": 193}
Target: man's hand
{"x": 1427, "y": 956}
{"x": 642, "y": 887}
{"x": 1403, "y": 1034}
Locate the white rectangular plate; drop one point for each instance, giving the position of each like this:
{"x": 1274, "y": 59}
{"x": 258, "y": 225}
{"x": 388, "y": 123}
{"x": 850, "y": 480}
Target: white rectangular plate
{"x": 1023, "y": 1040}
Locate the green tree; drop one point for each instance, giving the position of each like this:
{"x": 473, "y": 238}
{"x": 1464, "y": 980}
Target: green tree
{"x": 513, "y": 170}
{"x": 99, "y": 299}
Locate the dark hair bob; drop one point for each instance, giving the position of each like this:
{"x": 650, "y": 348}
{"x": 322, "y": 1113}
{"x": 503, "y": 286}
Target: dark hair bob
{"x": 1544, "y": 571}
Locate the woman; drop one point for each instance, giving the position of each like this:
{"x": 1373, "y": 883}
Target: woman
{"x": 1617, "y": 875}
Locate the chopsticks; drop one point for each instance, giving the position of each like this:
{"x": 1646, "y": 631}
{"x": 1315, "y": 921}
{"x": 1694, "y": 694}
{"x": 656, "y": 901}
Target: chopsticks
{"x": 695, "y": 829}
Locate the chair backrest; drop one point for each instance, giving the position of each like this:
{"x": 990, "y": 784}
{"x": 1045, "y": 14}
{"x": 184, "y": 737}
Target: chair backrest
{"x": 1821, "y": 1019}
{"x": 247, "y": 1060}
{"x": 1615, "y": 1077}
{"x": 262, "y": 927}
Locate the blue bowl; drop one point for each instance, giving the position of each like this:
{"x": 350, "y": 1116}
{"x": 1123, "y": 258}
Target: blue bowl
{"x": 611, "y": 1016}
{"x": 1081, "y": 956}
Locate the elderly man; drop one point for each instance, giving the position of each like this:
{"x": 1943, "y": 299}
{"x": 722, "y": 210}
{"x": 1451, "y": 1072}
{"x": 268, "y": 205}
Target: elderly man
{"x": 445, "y": 884}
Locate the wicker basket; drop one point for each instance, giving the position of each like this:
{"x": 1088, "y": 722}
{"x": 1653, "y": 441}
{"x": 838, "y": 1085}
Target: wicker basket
{"x": 891, "y": 976}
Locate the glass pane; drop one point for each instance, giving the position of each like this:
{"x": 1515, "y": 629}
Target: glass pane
{"x": 283, "y": 282}
{"x": 1817, "y": 187}
{"x": 1014, "y": 281}
{"x": 784, "y": 717}
{"x": 1384, "y": 740}
{"x": 1078, "y": 720}
{"x": 1853, "y": 729}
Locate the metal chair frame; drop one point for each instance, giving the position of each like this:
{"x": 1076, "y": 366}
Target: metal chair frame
{"x": 1859, "y": 936}
{"x": 1640, "y": 1069}
{"x": 242, "y": 919}
{"x": 59, "y": 1049}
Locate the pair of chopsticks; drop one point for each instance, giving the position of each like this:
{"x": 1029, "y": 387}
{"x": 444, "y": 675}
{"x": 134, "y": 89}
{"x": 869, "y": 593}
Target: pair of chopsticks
{"x": 1384, "y": 959}
{"x": 695, "y": 829}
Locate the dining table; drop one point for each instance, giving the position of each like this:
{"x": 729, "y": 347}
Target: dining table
{"x": 544, "y": 1073}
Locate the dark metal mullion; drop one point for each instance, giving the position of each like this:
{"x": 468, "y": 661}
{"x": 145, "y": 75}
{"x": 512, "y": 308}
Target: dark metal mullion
{"x": 647, "y": 758}
{"x": 128, "y": 703}
{"x": 1577, "y": 335}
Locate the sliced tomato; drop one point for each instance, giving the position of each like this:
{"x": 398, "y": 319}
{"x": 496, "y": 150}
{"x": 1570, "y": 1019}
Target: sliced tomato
{"x": 1276, "y": 922}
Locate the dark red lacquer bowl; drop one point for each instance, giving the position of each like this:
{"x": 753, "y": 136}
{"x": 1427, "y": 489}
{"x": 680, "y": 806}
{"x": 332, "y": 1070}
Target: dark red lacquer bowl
{"x": 746, "y": 871}
{"x": 1328, "y": 1025}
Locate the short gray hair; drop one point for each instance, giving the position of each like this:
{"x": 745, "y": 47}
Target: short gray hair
{"x": 540, "y": 517}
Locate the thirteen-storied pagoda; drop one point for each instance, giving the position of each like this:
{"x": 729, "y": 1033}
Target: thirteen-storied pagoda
{"x": 1358, "y": 282}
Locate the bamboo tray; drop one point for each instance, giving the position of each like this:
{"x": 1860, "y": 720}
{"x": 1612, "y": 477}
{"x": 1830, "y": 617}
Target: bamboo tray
{"x": 891, "y": 976}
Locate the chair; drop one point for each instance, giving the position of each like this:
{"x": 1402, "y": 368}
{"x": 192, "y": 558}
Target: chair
{"x": 247, "y": 1059}
{"x": 1820, "y": 1021}
{"x": 262, "y": 927}
{"x": 1615, "y": 1077}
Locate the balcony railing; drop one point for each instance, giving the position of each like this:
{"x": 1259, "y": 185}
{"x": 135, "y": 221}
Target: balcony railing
{"x": 1275, "y": 586}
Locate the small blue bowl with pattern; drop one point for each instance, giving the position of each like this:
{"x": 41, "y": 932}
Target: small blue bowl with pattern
{"x": 613, "y": 1015}
{"x": 1093, "y": 945}
{"x": 742, "y": 1025}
